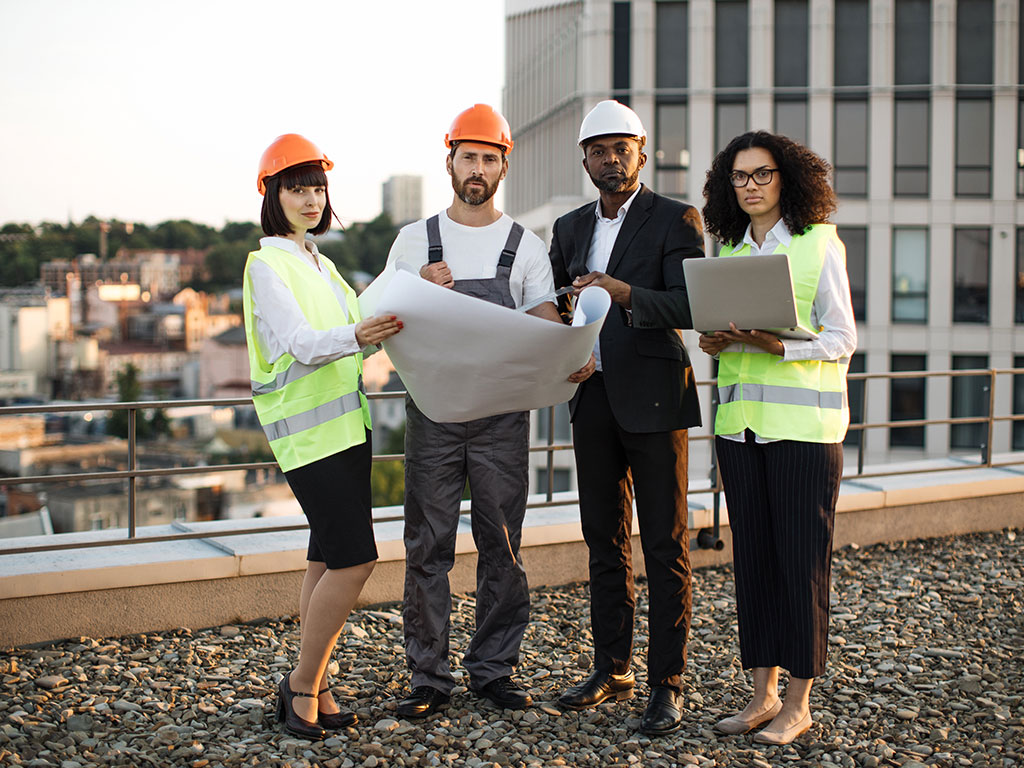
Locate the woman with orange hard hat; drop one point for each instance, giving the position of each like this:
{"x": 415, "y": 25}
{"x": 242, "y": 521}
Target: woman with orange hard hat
{"x": 305, "y": 338}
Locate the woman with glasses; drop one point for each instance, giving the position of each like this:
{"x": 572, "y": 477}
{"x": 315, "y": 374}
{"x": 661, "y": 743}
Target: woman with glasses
{"x": 781, "y": 420}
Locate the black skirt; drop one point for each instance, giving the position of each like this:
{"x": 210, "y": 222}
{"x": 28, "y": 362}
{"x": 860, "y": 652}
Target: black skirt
{"x": 334, "y": 494}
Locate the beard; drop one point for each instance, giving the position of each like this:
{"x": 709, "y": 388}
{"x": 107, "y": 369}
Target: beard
{"x": 620, "y": 182}
{"x": 473, "y": 196}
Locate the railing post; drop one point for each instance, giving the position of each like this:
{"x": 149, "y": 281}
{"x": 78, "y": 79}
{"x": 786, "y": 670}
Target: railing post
{"x": 551, "y": 454}
{"x": 863, "y": 432}
{"x": 986, "y": 449}
{"x": 131, "y": 468}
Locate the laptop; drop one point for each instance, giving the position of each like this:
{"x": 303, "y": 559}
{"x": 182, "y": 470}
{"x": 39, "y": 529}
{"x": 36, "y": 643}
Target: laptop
{"x": 754, "y": 292}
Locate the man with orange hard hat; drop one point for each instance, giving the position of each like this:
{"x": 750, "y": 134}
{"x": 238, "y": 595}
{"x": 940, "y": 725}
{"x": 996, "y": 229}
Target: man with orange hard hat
{"x": 475, "y": 249}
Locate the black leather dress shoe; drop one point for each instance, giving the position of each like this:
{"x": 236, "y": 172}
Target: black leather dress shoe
{"x": 422, "y": 702}
{"x": 663, "y": 713}
{"x": 600, "y": 686}
{"x": 503, "y": 692}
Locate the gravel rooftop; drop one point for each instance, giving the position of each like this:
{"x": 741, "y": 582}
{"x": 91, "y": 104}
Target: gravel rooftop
{"x": 925, "y": 668}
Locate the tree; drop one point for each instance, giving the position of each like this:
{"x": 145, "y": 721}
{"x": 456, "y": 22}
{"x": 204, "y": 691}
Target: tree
{"x": 151, "y": 422}
{"x": 365, "y": 246}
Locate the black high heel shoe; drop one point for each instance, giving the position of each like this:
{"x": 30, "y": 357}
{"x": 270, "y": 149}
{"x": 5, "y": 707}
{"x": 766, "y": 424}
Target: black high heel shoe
{"x": 335, "y": 721}
{"x": 286, "y": 713}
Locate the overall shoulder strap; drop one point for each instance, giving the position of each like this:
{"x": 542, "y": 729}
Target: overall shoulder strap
{"x": 508, "y": 253}
{"x": 435, "y": 252}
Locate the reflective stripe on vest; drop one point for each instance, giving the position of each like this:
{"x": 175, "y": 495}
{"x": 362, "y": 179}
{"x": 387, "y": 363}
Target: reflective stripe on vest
{"x": 779, "y": 400}
{"x": 308, "y": 412}
{"x": 314, "y": 417}
{"x": 770, "y": 393}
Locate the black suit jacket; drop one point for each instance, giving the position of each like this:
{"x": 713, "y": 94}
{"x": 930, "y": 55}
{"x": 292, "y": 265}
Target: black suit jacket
{"x": 646, "y": 369}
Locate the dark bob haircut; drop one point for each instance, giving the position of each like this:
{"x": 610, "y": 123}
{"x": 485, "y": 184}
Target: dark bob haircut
{"x": 807, "y": 198}
{"x": 272, "y": 218}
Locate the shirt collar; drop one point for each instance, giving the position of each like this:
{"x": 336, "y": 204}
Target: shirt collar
{"x": 780, "y": 233}
{"x": 623, "y": 209}
{"x": 285, "y": 244}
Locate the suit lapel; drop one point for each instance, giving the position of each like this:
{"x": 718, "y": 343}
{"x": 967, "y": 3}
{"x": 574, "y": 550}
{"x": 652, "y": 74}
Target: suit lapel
{"x": 583, "y": 235}
{"x": 639, "y": 213}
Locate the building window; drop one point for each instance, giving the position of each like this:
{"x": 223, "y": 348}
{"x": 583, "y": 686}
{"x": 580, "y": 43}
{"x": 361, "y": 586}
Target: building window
{"x": 1018, "y": 404}
{"x": 731, "y": 43}
{"x": 913, "y": 49}
{"x": 856, "y": 241}
{"x": 912, "y": 147}
{"x": 791, "y": 118}
{"x": 562, "y": 433}
{"x": 910, "y": 275}
{"x": 852, "y": 40}
{"x": 730, "y": 121}
{"x": 969, "y": 398}
{"x": 1020, "y": 142}
{"x": 974, "y": 42}
{"x": 851, "y": 147}
{"x": 973, "y": 146}
{"x": 1018, "y": 315}
{"x": 970, "y": 275}
{"x": 559, "y": 477}
{"x": 621, "y": 33}
{"x": 672, "y": 158}
{"x": 855, "y": 394}
{"x": 672, "y": 45}
{"x": 792, "y": 25}
{"x": 907, "y": 402}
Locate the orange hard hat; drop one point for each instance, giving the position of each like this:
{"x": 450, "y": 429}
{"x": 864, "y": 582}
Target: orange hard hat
{"x": 286, "y": 151}
{"x": 481, "y": 122}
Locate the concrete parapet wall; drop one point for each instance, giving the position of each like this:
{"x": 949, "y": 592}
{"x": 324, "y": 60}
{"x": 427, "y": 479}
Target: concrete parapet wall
{"x": 207, "y": 582}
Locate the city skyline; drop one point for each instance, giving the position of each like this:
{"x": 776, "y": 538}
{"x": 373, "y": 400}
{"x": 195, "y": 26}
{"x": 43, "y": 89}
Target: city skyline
{"x": 128, "y": 111}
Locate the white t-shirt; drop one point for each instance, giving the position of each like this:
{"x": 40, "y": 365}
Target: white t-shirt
{"x": 472, "y": 253}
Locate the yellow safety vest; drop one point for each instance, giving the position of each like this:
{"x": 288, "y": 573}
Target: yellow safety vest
{"x": 779, "y": 400}
{"x": 308, "y": 412}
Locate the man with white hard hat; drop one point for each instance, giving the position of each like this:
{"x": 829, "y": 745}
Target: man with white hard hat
{"x": 472, "y": 248}
{"x": 630, "y": 418}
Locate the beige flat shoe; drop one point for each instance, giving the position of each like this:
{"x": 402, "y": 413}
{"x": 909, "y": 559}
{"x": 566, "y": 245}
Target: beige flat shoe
{"x": 787, "y": 736}
{"x": 735, "y": 724}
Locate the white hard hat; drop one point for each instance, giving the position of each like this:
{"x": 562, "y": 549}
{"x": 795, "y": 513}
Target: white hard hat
{"x": 611, "y": 117}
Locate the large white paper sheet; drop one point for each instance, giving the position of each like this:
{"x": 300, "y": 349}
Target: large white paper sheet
{"x": 463, "y": 358}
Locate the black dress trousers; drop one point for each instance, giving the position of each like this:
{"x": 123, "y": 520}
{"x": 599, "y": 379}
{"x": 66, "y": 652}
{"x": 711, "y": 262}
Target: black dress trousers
{"x": 612, "y": 465}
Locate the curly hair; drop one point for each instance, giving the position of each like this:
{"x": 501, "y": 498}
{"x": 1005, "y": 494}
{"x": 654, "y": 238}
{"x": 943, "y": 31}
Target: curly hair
{"x": 807, "y": 198}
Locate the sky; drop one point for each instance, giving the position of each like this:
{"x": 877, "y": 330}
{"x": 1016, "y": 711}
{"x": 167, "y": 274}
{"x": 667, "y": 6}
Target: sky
{"x": 149, "y": 110}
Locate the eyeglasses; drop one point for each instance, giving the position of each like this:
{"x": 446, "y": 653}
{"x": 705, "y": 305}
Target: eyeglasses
{"x": 761, "y": 177}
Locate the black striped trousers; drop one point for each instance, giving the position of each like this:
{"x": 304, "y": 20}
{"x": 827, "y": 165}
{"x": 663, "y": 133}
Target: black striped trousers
{"x": 781, "y": 498}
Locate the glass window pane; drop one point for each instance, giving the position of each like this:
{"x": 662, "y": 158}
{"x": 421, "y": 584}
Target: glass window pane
{"x": 671, "y": 183}
{"x": 1019, "y": 308}
{"x": 1020, "y": 140}
{"x": 969, "y": 397}
{"x": 907, "y": 401}
{"x": 730, "y": 122}
{"x": 970, "y": 275}
{"x": 621, "y": 45}
{"x": 974, "y": 42}
{"x": 913, "y": 42}
{"x": 731, "y": 43}
{"x": 671, "y": 151}
{"x": 910, "y": 173}
{"x": 856, "y": 241}
{"x": 855, "y": 394}
{"x": 672, "y": 45}
{"x": 791, "y": 119}
{"x": 851, "y": 147}
{"x": 852, "y": 37}
{"x": 791, "y": 45}
{"x": 910, "y": 275}
{"x": 973, "y": 147}
{"x": 1018, "y": 403}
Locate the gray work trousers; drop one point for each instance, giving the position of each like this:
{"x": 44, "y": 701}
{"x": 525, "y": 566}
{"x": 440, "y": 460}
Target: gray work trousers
{"x": 493, "y": 454}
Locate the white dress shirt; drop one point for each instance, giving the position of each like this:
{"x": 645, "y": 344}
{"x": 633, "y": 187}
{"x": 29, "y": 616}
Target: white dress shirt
{"x": 605, "y": 232}
{"x": 281, "y": 326}
{"x": 832, "y": 309}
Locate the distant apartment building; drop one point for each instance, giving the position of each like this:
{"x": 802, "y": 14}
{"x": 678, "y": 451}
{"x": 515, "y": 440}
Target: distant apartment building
{"x": 96, "y": 507}
{"x": 918, "y": 106}
{"x": 402, "y": 199}
{"x": 224, "y": 365}
{"x": 157, "y": 273}
{"x": 33, "y": 327}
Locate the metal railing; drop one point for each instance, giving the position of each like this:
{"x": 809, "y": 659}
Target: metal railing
{"x": 707, "y": 538}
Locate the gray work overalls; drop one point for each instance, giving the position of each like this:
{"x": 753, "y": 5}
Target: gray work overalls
{"x": 493, "y": 453}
